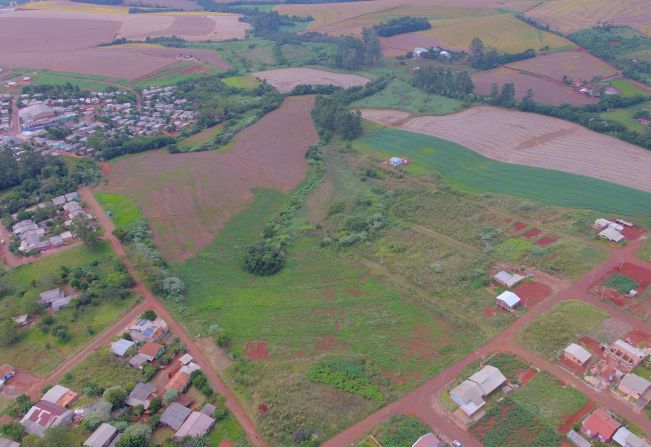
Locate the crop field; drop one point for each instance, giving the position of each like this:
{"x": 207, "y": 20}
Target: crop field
{"x": 540, "y": 141}
{"x": 177, "y": 191}
{"x": 83, "y": 81}
{"x": 124, "y": 211}
{"x": 544, "y": 90}
{"x": 202, "y": 55}
{"x": 464, "y": 169}
{"x": 285, "y": 79}
{"x": 249, "y": 55}
{"x": 574, "y": 64}
{"x": 400, "y": 95}
{"x": 568, "y": 16}
{"x": 197, "y": 140}
{"x": 171, "y": 74}
{"x": 40, "y": 351}
{"x": 561, "y": 325}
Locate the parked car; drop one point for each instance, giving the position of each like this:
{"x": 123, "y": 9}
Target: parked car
{"x": 456, "y": 443}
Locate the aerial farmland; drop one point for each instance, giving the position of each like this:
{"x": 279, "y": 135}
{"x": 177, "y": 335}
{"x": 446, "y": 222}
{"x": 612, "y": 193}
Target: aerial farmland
{"x": 368, "y": 223}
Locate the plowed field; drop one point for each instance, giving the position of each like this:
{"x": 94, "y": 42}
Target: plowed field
{"x": 575, "y": 64}
{"x": 285, "y": 79}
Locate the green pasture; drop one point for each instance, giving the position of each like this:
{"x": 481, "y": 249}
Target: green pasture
{"x": 463, "y": 169}
{"x": 625, "y": 116}
{"x": 82, "y": 80}
{"x": 241, "y": 81}
{"x": 626, "y": 88}
{"x": 174, "y": 73}
{"x": 124, "y": 210}
{"x": 206, "y": 136}
{"x": 102, "y": 369}
{"x": 400, "y": 95}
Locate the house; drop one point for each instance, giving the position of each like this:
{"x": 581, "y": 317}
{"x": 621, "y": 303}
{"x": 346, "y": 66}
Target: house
{"x": 138, "y": 361}
{"x": 49, "y": 296}
{"x": 470, "y": 393}
{"x": 141, "y": 394}
{"x": 59, "y": 201}
{"x": 60, "y": 395}
{"x": 121, "y": 347}
{"x": 146, "y": 330}
{"x": 508, "y": 300}
{"x": 67, "y": 236}
{"x": 4, "y": 442}
{"x": 152, "y": 350}
{"x": 636, "y": 387}
{"x": 625, "y": 438}
{"x": 72, "y": 196}
{"x": 197, "y": 424}
{"x": 190, "y": 368}
{"x": 600, "y": 425}
{"x": 418, "y": 51}
{"x": 179, "y": 382}
{"x": 45, "y": 415}
{"x": 61, "y": 303}
{"x": 577, "y": 439}
{"x": 577, "y": 354}
{"x": 397, "y": 161}
{"x": 186, "y": 359}
{"x": 506, "y": 279}
{"x": 610, "y": 234}
{"x": 428, "y": 440}
{"x": 102, "y": 437}
{"x": 175, "y": 415}
{"x": 6, "y": 374}
{"x": 488, "y": 378}
{"x": 627, "y": 356}
{"x": 23, "y": 320}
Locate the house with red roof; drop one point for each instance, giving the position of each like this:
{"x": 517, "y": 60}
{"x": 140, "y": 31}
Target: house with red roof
{"x": 44, "y": 415}
{"x": 152, "y": 351}
{"x": 600, "y": 425}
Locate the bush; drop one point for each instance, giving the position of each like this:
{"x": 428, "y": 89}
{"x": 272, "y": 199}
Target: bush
{"x": 622, "y": 283}
{"x": 116, "y": 396}
{"x": 346, "y": 376}
{"x": 97, "y": 414}
{"x": 264, "y": 258}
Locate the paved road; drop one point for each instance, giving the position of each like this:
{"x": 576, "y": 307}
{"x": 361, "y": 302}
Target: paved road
{"x": 151, "y": 302}
{"x": 421, "y": 401}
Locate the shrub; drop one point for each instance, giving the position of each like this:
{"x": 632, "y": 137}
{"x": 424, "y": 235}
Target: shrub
{"x": 264, "y": 258}
{"x": 116, "y": 396}
{"x": 346, "y": 376}
{"x": 622, "y": 283}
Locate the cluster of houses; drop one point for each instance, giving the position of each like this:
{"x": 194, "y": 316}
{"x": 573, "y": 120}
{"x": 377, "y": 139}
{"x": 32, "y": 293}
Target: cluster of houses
{"x": 611, "y": 231}
{"x": 508, "y": 300}
{"x": 5, "y": 111}
{"x": 161, "y": 108}
{"x": 39, "y": 236}
{"x": 433, "y": 53}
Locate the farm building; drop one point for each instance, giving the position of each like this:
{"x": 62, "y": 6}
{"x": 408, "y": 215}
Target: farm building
{"x": 102, "y": 437}
{"x": 627, "y": 356}
{"x": 397, "y": 161}
{"x": 121, "y": 347}
{"x": 418, "y": 51}
{"x": 508, "y": 300}
{"x": 44, "y": 415}
{"x": 577, "y": 354}
{"x": 49, "y": 296}
{"x": 146, "y": 330}
{"x": 6, "y": 374}
{"x": 152, "y": 351}
{"x": 610, "y": 231}
{"x": 506, "y": 279}
{"x": 197, "y": 424}
{"x": 470, "y": 393}
{"x": 577, "y": 439}
{"x": 625, "y": 438}
{"x": 610, "y": 234}
{"x": 175, "y": 415}
{"x": 4, "y": 442}
{"x": 636, "y": 387}
{"x": 600, "y": 425}
{"x": 60, "y": 395}
{"x": 141, "y": 394}
{"x": 428, "y": 440}
{"x": 35, "y": 112}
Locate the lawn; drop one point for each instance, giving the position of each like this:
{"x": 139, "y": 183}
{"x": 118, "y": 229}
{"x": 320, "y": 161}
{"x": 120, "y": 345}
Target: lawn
{"x": 206, "y": 136}
{"x": 124, "y": 210}
{"x": 555, "y": 329}
{"x": 102, "y": 369}
{"x": 463, "y": 169}
{"x": 627, "y": 88}
{"x": 226, "y": 430}
{"x": 400, "y": 95}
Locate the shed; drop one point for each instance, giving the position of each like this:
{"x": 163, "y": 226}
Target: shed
{"x": 121, "y": 347}
{"x": 577, "y": 354}
{"x": 175, "y": 415}
{"x": 102, "y": 437}
{"x": 47, "y": 297}
{"x": 507, "y": 279}
{"x": 197, "y": 424}
{"x": 508, "y": 300}
{"x": 61, "y": 303}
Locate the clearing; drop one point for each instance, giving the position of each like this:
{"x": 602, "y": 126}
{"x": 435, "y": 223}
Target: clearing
{"x": 285, "y": 79}
{"x": 187, "y": 198}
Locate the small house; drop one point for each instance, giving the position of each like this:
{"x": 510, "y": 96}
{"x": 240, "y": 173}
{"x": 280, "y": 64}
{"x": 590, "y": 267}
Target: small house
{"x": 175, "y": 415}
{"x": 102, "y": 437}
{"x": 121, "y": 347}
{"x": 179, "y": 382}
{"x": 577, "y": 354}
{"x": 152, "y": 351}
{"x": 428, "y": 440}
{"x": 418, "y": 51}
{"x": 60, "y": 395}
{"x": 59, "y": 201}
{"x": 61, "y": 303}
{"x": 508, "y": 300}
{"x": 146, "y": 330}
{"x": 471, "y": 392}
{"x": 600, "y": 425}
{"x": 45, "y": 415}
{"x": 23, "y": 320}
{"x": 138, "y": 361}
{"x": 610, "y": 234}
{"x": 636, "y": 387}
{"x": 197, "y": 424}
{"x": 49, "y": 296}
{"x": 507, "y": 279}
{"x": 141, "y": 394}
{"x": 625, "y": 438}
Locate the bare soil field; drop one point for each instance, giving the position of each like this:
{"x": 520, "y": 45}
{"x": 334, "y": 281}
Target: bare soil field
{"x": 544, "y": 90}
{"x": 536, "y": 140}
{"x": 285, "y": 79}
{"x": 568, "y": 16}
{"x": 188, "y": 198}
{"x": 575, "y": 64}
{"x": 187, "y": 5}
{"x": 204, "y": 55}
{"x": 386, "y": 117}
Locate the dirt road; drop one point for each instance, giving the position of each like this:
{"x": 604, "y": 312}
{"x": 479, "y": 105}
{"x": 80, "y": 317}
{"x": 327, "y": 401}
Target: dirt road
{"x": 151, "y": 302}
{"x": 420, "y": 402}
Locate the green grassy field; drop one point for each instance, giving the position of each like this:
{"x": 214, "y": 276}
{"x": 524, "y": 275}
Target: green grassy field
{"x": 400, "y": 95}
{"x": 463, "y": 169}
{"x": 565, "y": 323}
{"x": 173, "y": 74}
{"x": 241, "y": 81}
{"x": 625, "y": 116}
{"x": 124, "y": 210}
{"x": 245, "y": 55}
{"x": 627, "y": 88}
{"x": 197, "y": 140}
{"x": 104, "y": 370}
{"x": 83, "y": 81}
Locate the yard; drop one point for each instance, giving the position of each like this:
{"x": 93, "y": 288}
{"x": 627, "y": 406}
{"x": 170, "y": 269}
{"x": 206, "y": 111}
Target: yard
{"x": 102, "y": 369}
{"x": 565, "y": 323}
{"x": 124, "y": 210}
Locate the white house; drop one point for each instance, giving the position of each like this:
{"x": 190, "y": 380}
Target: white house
{"x": 508, "y": 300}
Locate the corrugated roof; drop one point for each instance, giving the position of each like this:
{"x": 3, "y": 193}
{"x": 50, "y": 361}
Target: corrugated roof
{"x": 102, "y": 436}
{"x": 579, "y": 352}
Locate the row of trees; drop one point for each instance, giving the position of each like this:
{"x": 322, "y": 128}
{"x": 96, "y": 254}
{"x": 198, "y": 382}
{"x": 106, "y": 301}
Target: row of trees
{"x": 402, "y": 25}
{"x": 482, "y": 58}
{"x": 444, "y": 81}
{"x": 352, "y": 53}
{"x": 112, "y": 147}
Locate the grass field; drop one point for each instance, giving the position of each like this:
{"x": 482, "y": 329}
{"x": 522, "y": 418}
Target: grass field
{"x": 625, "y": 116}
{"x": 245, "y": 55}
{"x": 102, "y": 369}
{"x": 83, "y": 81}
{"x": 241, "y": 81}
{"x": 563, "y": 324}
{"x": 206, "y": 136}
{"x": 175, "y": 73}
{"x": 400, "y": 95}
{"x": 627, "y": 88}
{"x": 124, "y": 210}
{"x": 463, "y": 169}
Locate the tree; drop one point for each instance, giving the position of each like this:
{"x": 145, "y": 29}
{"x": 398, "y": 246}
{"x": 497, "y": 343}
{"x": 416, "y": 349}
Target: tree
{"x": 57, "y": 437}
{"x": 148, "y": 315}
{"x": 170, "y": 396}
{"x": 264, "y": 258}
{"x": 476, "y": 47}
{"x": 350, "y": 53}
{"x": 507, "y": 95}
{"x": 529, "y": 96}
{"x": 12, "y": 430}
{"x": 372, "y": 48}
{"x": 8, "y": 332}
{"x": 116, "y": 396}
{"x": 136, "y": 435}
{"x": 83, "y": 229}
{"x": 97, "y": 414}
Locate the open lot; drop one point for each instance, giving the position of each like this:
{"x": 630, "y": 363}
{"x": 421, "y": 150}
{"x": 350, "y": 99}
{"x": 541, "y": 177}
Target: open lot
{"x": 573, "y": 15}
{"x": 574, "y": 64}
{"x": 535, "y": 140}
{"x": 285, "y": 79}
{"x": 544, "y": 90}
{"x": 177, "y": 192}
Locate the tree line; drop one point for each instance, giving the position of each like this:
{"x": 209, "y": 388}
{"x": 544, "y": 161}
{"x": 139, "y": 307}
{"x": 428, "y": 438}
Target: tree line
{"x": 482, "y": 58}
{"x": 443, "y": 81}
{"x": 402, "y": 25}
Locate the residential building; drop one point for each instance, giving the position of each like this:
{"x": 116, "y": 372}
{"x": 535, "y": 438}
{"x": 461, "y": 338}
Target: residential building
{"x": 121, "y": 347}
{"x": 507, "y": 279}
{"x": 637, "y": 388}
{"x": 175, "y": 415}
{"x": 152, "y": 350}
{"x": 49, "y": 296}
{"x": 102, "y": 437}
{"x": 146, "y": 330}
{"x": 45, "y": 415}
{"x": 179, "y": 382}
{"x": 197, "y": 424}
{"x": 600, "y": 425}
{"x": 141, "y": 394}
{"x": 626, "y": 356}
{"x": 577, "y": 354}
{"x": 625, "y": 438}
{"x": 4, "y": 442}
{"x": 60, "y": 395}
{"x": 471, "y": 392}
{"x": 508, "y": 300}
{"x": 428, "y": 440}
{"x": 577, "y": 439}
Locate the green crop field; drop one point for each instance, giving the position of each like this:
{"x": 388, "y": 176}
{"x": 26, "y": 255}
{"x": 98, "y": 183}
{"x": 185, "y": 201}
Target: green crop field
{"x": 400, "y": 95}
{"x": 463, "y": 169}
{"x": 175, "y": 73}
{"x": 241, "y": 81}
{"x": 206, "y": 136}
{"x": 563, "y": 324}
{"x": 627, "y": 88}
{"x": 83, "y": 81}
{"x": 124, "y": 210}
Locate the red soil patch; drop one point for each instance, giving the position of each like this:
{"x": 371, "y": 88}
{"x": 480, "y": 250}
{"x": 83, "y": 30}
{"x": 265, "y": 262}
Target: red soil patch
{"x": 590, "y": 343}
{"x": 328, "y": 343}
{"x": 641, "y": 275}
{"x": 395, "y": 377}
{"x": 533, "y": 292}
{"x": 329, "y": 294}
{"x": 189, "y": 197}
{"x": 570, "y": 419}
{"x": 637, "y": 337}
{"x": 490, "y": 311}
{"x": 257, "y": 350}
{"x": 545, "y": 241}
{"x": 263, "y": 408}
{"x": 106, "y": 169}
{"x": 527, "y": 376}
{"x": 518, "y": 226}
{"x": 531, "y": 233}
{"x": 227, "y": 443}
{"x": 422, "y": 344}
{"x": 633, "y": 233}
{"x": 354, "y": 292}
